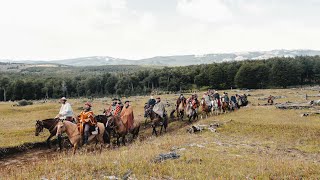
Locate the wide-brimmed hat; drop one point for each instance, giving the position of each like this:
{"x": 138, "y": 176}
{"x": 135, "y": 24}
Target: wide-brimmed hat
{"x": 127, "y": 101}
{"x": 88, "y": 104}
{"x": 63, "y": 99}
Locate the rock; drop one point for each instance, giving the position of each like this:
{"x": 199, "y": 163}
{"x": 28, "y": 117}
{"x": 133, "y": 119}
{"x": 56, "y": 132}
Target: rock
{"x": 290, "y": 105}
{"x": 127, "y": 175}
{"x": 111, "y": 177}
{"x": 196, "y": 145}
{"x": 163, "y": 157}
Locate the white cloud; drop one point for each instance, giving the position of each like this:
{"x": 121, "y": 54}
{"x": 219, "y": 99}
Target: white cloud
{"x": 46, "y": 29}
{"x": 204, "y": 10}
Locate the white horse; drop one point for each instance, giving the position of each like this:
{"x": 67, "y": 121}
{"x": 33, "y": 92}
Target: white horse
{"x": 215, "y": 107}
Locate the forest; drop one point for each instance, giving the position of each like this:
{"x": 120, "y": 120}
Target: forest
{"x": 43, "y": 83}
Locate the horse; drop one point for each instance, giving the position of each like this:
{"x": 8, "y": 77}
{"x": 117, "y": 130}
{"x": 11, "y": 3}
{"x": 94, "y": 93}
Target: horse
{"x": 119, "y": 128}
{"x": 158, "y": 121}
{"x": 180, "y": 110}
{"x": 191, "y": 113}
{"x": 135, "y": 129}
{"x": 215, "y": 107}
{"x": 205, "y": 108}
{"x": 224, "y": 105}
{"x": 180, "y": 106}
{"x": 49, "y": 124}
{"x": 74, "y": 135}
{"x": 108, "y": 128}
{"x": 147, "y": 110}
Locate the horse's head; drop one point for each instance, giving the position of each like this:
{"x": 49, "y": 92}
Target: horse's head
{"x": 60, "y": 128}
{"x": 39, "y": 127}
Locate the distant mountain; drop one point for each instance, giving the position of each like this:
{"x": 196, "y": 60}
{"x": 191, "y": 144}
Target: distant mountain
{"x": 182, "y": 60}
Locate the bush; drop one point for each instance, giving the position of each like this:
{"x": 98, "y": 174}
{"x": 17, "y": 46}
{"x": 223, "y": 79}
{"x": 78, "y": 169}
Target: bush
{"x": 25, "y": 103}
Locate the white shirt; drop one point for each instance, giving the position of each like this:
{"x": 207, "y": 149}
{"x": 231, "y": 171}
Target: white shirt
{"x": 65, "y": 111}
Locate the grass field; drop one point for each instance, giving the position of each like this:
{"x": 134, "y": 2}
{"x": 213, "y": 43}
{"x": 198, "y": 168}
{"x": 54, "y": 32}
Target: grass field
{"x": 261, "y": 142}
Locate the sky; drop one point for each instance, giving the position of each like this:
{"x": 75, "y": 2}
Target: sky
{"x": 135, "y": 29}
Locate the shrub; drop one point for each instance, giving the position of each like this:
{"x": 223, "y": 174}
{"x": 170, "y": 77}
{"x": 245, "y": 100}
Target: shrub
{"x": 25, "y": 103}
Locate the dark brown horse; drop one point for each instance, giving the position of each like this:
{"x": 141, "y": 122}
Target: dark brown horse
{"x": 180, "y": 106}
{"x": 49, "y": 124}
{"x": 108, "y": 127}
{"x": 120, "y": 129}
{"x": 158, "y": 121}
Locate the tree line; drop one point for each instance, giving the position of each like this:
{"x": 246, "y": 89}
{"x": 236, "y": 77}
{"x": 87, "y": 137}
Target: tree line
{"x": 275, "y": 72}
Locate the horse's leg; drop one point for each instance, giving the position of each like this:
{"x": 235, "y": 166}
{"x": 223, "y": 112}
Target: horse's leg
{"x": 48, "y": 141}
{"x": 154, "y": 131}
{"x": 145, "y": 122}
{"x": 75, "y": 146}
{"x": 161, "y": 128}
{"x": 59, "y": 142}
{"x": 118, "y": 139}
{"x": 124, "y": 140}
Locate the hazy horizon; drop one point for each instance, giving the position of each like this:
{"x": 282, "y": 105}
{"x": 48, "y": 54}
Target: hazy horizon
{"x": 139, "y": 29}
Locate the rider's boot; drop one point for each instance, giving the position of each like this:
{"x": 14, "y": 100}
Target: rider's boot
{"x": 86, "y": 137}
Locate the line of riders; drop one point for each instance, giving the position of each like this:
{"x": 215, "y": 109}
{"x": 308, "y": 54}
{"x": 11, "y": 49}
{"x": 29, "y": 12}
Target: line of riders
{"x": 211, "y": 101}
{"x": 87, "y": 121}
{"x": 118, "y": 118}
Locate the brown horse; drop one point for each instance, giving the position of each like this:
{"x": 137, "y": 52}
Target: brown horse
{"x": 120, "y": 129}
{"x": 224, "y": 105}
{"x": 158, "y": 121}
{"x": 180, "y": 106}
{"x": 205, "y": 108}
{"x": 74, "y": 134}
{"x": 49, "y": 124}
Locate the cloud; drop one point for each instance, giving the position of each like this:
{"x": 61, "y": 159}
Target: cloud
{"x": 204, "y": 10}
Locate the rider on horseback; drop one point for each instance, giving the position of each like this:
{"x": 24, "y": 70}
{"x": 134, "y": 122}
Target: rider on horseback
{"x": 87, "y": 120}
{"x": 207, "y": 100}
{"x": 66, "y": 111}
{"x": 127, "y": 116}
{"x": 159, "y": 108}
{"x": 149, "y": 106}
{"x": 115, "y": 108}
{"x": 193, "y": 101}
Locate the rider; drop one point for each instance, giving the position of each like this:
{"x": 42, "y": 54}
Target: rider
{"x": 66, "y": 111}
{"x": 112, "y": 107}
{"x": 87, "y": 119}
{"x": 270, "y": 99}
{"x": 207, "y": 99}
{"x": 195, "y": 103}
{"x": 159, "y": 108}
{"x": 151, "y": 102}
{"x": 190, "y": 99}
{"x": 226, "y": 98}
{"x": 127, "y": 116}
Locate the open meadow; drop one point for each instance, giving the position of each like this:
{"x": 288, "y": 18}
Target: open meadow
{"x": 254, "y": 142}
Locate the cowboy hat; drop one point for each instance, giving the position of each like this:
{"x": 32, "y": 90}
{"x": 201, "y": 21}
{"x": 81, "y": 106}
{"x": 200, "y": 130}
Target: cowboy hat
{"x": 88, "y": 104}
{"x": 63, "y": 98}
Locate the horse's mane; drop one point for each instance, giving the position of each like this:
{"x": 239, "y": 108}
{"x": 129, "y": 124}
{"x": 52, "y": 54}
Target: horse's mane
{"x": 50, "y": 119}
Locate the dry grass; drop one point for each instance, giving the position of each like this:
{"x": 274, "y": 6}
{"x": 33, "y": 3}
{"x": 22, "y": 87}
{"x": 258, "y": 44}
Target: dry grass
{"x": 261, "y": 142}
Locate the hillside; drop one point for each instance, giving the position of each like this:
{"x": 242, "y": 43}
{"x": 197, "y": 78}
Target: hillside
{"x": 180, "y": 60}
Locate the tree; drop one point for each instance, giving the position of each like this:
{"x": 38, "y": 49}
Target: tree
{"x": 4, "y": 84}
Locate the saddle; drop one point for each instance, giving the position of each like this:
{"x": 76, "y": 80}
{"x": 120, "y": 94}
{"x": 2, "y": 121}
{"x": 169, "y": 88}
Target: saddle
{"x": 91, "y": 129}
